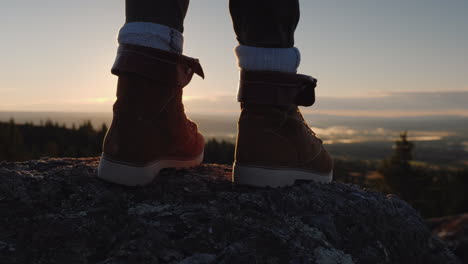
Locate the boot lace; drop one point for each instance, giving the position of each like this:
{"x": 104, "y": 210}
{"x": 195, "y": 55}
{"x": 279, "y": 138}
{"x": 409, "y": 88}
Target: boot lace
{"x": 307, "y": 126}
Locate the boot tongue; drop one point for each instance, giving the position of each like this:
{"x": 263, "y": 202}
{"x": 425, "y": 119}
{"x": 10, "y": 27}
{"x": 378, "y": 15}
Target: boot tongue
{"x": 197, "y": 68}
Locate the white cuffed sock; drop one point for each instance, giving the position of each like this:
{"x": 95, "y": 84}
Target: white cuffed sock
{"x": 152, "y": 35}
{"x": 268, "y": 59}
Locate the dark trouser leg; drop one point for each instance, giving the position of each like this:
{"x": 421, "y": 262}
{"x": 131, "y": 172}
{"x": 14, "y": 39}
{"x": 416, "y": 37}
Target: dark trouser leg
{"x": 170, "y": 13}
{"x": 265, "y": 23}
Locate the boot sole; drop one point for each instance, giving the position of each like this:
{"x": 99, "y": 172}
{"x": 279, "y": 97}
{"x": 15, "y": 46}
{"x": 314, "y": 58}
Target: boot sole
{"x": 275, "y": 177}
{"x": 128, "y": 175}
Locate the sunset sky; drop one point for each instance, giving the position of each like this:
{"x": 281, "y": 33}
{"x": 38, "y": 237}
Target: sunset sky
{"x": 372, "y": 57}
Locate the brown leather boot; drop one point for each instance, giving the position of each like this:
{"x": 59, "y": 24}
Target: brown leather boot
{"x": 275, "y": 146}
{"x": 150, "y": 130}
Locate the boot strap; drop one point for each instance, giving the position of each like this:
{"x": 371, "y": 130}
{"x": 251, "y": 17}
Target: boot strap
{"x": 276, "y": 88}
{"x": 156, "y": 64}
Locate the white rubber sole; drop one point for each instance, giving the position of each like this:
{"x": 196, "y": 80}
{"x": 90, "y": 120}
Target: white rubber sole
{"x": 275, "y": 177}
{"x": 125, "y": 174}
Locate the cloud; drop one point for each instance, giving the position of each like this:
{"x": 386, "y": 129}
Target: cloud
{"x": 399, "y": 101}
{"x": 465, "y": 145}
{"x": 223, "y": 104}
{"x": 393, "y": 104}
{"x": 344, "y": 134}
{"x": 373, "y": 104}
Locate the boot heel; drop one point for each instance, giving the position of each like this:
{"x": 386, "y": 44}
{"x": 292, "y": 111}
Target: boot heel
{"x": 126, "y": 174}
{"x": 274, "y": 177}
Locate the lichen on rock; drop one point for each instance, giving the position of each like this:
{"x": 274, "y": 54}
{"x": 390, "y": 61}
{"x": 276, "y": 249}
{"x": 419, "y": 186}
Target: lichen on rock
{"x": 57, "y": 211}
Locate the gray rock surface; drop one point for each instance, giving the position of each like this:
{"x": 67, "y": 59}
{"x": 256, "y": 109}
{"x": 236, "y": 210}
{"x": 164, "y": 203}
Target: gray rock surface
{"x": 57, "y": 211}
{"x": 453, "y": 230}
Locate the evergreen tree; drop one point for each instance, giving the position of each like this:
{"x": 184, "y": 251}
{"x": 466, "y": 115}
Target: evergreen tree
{"x": 403, "y": 153}
{"x": 14, "y": 148}
{"x": 397, "y": 170}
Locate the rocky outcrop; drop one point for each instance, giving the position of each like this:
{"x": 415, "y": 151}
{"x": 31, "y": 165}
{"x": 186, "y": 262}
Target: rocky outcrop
{"x": 57, "y": 211}
{"x": 454, "y": 231}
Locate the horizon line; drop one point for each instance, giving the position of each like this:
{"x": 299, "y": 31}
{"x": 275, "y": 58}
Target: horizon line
{"x": 332, "y": 113}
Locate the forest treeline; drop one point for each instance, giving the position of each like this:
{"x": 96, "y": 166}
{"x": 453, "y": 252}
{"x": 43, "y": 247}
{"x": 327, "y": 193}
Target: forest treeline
{"x": 432, "y": 190}
{"x": 19, "y": 142}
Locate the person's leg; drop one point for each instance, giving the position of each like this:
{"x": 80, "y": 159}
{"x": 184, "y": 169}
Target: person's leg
{"x": 150, "y": 130}
{"x": 170, "y": 13}
{"x": 265, "y": 23}
{"x": 155, "y": 23}
{"x": 275, "y": 147}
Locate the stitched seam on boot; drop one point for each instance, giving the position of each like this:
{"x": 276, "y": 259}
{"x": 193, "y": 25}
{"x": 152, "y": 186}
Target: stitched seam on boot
{"x": 317, "y": 155}
{"x": 172, "y": 44}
